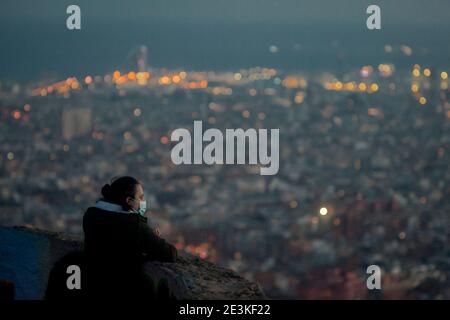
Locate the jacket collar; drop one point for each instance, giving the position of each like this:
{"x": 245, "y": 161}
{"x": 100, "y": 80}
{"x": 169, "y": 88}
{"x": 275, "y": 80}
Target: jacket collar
{"x": 108, "y": 206}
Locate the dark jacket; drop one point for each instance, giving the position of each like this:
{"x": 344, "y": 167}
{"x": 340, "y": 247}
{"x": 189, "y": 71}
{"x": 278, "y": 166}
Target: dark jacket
{"x": 123, "y": 235}
{"x": 116, "y": 244}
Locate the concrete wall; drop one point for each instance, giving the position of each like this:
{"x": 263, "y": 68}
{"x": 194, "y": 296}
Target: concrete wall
{"x": 27, "y": 255}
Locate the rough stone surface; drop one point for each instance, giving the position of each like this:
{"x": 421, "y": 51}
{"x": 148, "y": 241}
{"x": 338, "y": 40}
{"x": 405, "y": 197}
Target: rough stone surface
{"x": 27, "y": 255}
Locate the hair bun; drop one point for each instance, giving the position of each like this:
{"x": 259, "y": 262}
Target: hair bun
{"x": 106, "y": 191}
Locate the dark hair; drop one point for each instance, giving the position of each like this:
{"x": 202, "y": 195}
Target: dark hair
{"x": 119, "y": 189}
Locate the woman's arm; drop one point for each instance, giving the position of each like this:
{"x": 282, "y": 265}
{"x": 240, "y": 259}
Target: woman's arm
{"x": 156, "y": 248}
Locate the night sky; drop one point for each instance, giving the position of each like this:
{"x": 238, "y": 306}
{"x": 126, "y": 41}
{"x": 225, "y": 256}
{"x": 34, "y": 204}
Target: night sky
{"x": 219, "y": 34}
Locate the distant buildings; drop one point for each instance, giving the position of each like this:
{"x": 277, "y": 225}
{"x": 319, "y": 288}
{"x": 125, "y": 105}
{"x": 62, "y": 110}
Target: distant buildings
{"x": 366, "y": 147}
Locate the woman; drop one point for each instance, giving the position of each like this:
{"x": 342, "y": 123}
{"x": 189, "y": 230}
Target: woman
{"x": 117, "y": 240}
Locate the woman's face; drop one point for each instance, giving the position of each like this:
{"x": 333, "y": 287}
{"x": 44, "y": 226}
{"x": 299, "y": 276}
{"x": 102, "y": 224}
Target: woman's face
{"x": 138, "y": 197}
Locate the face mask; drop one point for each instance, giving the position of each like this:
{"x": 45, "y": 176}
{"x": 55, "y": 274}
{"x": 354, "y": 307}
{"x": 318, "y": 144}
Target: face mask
{"x": 142, "y": 207}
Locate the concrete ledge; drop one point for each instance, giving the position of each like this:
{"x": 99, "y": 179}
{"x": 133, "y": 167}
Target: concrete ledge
{"x": 27, "y": 255}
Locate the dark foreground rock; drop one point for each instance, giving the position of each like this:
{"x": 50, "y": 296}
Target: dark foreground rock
{"x": 27, "y": 256}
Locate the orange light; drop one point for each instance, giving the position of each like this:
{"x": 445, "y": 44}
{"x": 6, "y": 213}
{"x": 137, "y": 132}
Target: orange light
{"x": 291, "y": 82}
{"x": 122, "y": 80}
{"x": 192, "y": 85}
{"x": 164, "y": 80}
{"x": 374, "y": 87}
{"x": 350, "y": 86}
{"x": 116, "y": 75}
{"x": 132, "y": 75}
{"x": 16, "y": 114}
{"x": 406, "y": 50}
{"x": 422, "y": 100}
{"x": 127, "y": 135}
{"x": 74, "y": 85}
{"x": 88, "y": 80}
{"x": 299, "y": 97}
{"x": 164, "y": 140}
{"x": 176, "y": 79}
